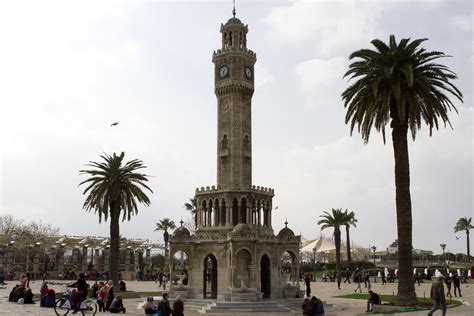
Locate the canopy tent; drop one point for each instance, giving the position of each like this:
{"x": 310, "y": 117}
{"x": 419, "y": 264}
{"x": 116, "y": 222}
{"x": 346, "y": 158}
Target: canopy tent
{"x": 320, "y": 244}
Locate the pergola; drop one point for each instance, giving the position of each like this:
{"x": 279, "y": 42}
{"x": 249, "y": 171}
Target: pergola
{"x": 77, "y": 253}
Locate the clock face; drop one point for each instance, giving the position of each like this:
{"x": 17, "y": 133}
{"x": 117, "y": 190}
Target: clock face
{"x": 223, "y": 71}
{"x": 248, "y": 73}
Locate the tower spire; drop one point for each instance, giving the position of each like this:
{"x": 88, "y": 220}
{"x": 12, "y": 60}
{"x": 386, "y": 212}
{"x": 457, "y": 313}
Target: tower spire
{"x": 233, "y": 10}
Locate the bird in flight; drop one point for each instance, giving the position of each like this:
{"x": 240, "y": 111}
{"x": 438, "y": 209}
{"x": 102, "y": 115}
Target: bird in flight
{"x": 114, "y": 124}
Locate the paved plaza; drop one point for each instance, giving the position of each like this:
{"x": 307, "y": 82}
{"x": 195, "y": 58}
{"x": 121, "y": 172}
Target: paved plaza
{"x": 325, "y": 290}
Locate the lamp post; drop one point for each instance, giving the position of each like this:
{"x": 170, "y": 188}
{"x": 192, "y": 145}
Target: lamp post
{"x": 375, "y": 276}
{"x": 314, "y": 261}
{"x": 443, "y": 246}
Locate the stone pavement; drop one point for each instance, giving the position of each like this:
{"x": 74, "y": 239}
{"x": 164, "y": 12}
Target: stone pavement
{"x": 325, "y": 290}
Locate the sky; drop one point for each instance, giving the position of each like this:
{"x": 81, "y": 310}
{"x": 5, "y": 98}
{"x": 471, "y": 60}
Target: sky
{"x": 68, "y": 69}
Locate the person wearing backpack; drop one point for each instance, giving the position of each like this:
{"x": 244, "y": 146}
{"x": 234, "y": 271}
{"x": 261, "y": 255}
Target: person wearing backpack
{"x": 317, "y": 307}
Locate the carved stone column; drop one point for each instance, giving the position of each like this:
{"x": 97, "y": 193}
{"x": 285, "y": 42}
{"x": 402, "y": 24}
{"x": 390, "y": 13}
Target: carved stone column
{"x": 128, "y": 266}
{"x": 60, "y": 259}
{"x": 84, "y": 259}
{"x": 36, "y": 253}
{"x": 148, "y": 257}
{"x": 106, "y": 253}
{"x": 96, "y": 257}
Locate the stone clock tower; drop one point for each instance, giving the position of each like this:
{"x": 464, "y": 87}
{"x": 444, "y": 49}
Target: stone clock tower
{"x": 234, "y": 86}
{"x": 234, "y": 254}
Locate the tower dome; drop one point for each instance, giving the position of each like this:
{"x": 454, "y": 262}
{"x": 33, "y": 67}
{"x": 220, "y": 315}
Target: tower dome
{"x": 286, "y": 233}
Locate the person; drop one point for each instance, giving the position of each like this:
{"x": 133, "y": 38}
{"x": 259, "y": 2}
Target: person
{"x": 306, "y": 307}
{"x": 437, "y": 294}
{"x": 448, "y": 280}
{"x": 117, "y": 305}
{"x": 307, "y": 282}
{"x": 339, "y": 279}
{"x": 178, "y": 306}
{"x": 28, "y": 275}
{"x": 457, "y": 284}
{"x": 81, "y": 286}
{"x": 417, "y": 278}
{"x": 50, "y": 299}
{"x": 384, "y": 278}
{"x": 110, "y": 294}
{"x": 23, "y": 280}
{"x": 149, "y": 307}
{"x": 164, "y": 306}
{"x": 94, "y": 289}
{"x": 357, "y": 278}
{"x": 28, "y": 299}
{"x": 374, "y": 299}
{"x": 101, "y": 294}
{"x": 122, "y": 286}
{"x": 348, "y": 276}
{"x": 317, "y": 307}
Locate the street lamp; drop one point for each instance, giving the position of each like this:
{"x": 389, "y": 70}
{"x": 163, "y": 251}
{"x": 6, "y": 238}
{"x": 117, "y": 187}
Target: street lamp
{"x": 443, "y": 246}
{"x": 375, "y": 276}
{"x": 314, "y": 261}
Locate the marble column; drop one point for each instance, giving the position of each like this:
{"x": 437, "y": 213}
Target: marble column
{"x": 84, "y": 259}
{"x": 96, "y": 258}
{"x": 60, "y": 259}
{"x": 106, "y": 253}
{"x": 148, "y": 257}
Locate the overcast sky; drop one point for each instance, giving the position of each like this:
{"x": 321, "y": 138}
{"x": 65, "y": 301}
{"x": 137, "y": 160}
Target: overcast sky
{"x": 68, "y": 69}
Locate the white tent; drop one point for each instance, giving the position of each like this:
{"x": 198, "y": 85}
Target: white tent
{"x": 321, "y": 245}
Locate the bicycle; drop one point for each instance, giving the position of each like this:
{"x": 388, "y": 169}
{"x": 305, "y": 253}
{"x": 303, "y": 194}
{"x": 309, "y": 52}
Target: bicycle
{"x": 63, "y": 305}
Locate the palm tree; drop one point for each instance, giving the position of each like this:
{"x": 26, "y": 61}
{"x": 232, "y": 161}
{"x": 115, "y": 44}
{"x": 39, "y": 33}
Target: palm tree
{"x": 114, "y": 189}
{"x": 192, "y": 207}
{"x": 349, "y": 220}
{"x": 399, "y": 84}
{"x": 164, "y": 225}
{"x": 336, "y": 220}
{"x": 464, "y": 224}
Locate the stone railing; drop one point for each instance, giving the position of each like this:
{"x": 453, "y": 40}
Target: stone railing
{"x": 254, "y": 188}
{"x": 238, "y": 49}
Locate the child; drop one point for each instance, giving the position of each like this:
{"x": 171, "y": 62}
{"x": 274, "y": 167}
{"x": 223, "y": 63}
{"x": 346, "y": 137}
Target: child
{"x": 101, "y": 294}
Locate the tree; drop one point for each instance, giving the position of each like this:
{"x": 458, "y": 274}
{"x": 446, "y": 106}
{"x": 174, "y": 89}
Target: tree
{"x": 349, "y": 220}
{"x": 192, "y": 207}
{"x": 399, "y": 83}
{"x": 11, "y": 226}
{"x": 336, "y": 220}
{"x": 114, "y": 189}
{"x": 164, "y": 225}
{"x": 464, "y": 224}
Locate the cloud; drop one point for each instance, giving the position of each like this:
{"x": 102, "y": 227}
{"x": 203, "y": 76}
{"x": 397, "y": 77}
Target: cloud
{"x": 356, "y": 22}
{"x": 348, "y": 174}
{"x": 462, "y": 22}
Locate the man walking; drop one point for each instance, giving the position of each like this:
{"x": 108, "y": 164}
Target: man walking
{"x": 437, "y": 294}
{"x": 348, "y": 276}
{"x": 457, "y": 284}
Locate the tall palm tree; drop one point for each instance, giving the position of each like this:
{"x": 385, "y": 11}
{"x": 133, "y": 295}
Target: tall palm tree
{"x": 350, "y": 220}
{"x": 113, "y": 190}
{"x": 464, "y": 224}
{"x": 192, "y": 207}
{"x": 164, "y": 225}
{"x": 399, "y": 84}
{"x": 334, "y": 220}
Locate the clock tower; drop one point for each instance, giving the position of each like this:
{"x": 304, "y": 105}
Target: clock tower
{"x": 234, "y": 254}
{"x": 234, "y": 86}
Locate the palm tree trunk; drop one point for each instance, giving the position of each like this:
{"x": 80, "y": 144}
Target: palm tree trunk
{"x": 337, "y": 239}
{"x": 114, "y": 243}
{"x": 468, "y": 246}
{"x": 406, "y": 295}
{"x": 348, "y": 241}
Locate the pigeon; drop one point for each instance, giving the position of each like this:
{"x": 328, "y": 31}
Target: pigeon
{"x": 457, "y": 237}
{"x": 114, "y": 124}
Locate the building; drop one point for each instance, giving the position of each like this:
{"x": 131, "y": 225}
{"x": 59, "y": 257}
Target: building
{"x": 234, "y": 254}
